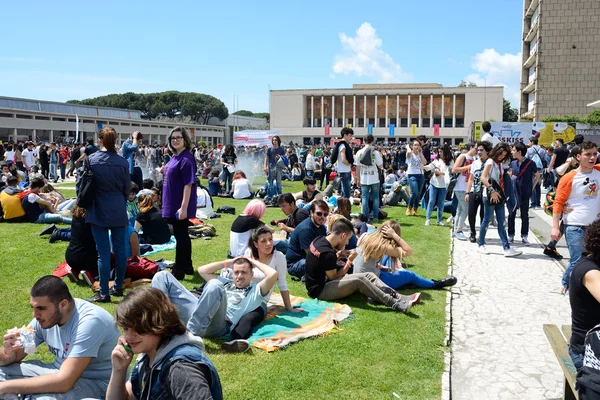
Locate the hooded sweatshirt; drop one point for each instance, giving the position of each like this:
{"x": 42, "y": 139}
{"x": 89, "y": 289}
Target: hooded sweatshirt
{"x": 180, "y": 370}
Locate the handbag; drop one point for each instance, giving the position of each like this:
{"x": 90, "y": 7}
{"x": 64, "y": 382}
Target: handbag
{"x": 140, "y": 267}
{"x": 454, "y": 178}
{"x": 497, "y": 188}
{"x": 549, "y": 180}
{"x": 87, "y": 186}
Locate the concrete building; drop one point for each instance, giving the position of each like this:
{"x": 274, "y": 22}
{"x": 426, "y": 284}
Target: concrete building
{"x": 561, "y": 57}
{"x": 25, "y": 119}
{"x": 235, "y": 123}
{"x": 389, "y": 111}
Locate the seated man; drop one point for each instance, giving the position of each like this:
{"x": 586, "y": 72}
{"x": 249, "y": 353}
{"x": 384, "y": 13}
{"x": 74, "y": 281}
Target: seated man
{"x": 81, "y": 336}
{"x": 10, "y": 201}
{"x": 303, "y": 235}
{"x": 226, "y": 306}
{"x": 396, "y": 193}
{"x": 38, "y": 209}
{"x": 326, "y": 280}
{"x": 294, "y": 215}
{"x": 310, "y": 192}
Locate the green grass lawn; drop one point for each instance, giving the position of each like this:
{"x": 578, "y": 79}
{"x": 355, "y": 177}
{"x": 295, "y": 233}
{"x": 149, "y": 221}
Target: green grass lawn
{"x": 375, "y": 353}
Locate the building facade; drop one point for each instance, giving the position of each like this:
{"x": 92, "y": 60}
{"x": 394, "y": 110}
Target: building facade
{"x": 561, "y": 58}
{"x": 25, "y": 119}
{"x": 391, "y": 112}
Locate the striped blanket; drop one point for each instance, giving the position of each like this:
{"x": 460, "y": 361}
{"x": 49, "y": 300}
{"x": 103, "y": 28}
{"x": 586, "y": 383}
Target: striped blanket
{"x": 280, "y": 328}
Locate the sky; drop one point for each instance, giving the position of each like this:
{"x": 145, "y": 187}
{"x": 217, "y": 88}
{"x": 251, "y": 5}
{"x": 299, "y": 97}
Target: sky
{"x": 66, "y": 50}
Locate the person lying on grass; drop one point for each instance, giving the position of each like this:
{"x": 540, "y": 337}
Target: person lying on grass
{"x": 327, "y": 280}
{"x": 386, "y": 241}
{"x": 153, "y": 331}
{"x": 226, "y": 306}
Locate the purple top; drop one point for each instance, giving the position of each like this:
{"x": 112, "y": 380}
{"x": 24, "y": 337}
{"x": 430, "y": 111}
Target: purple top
{"x": 179, "y": 171}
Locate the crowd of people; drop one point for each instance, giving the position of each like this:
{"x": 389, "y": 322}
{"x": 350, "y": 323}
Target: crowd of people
{"x": 318, "y": 241}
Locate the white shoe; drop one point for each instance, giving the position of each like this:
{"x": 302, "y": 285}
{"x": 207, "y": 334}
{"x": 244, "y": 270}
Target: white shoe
{"x": 510, "y": 252}
{"x": 427, "y": 222}
{"x": 450, "y": 219}
{"x": 441, "y": 223}
{"x": 483, "y": 250}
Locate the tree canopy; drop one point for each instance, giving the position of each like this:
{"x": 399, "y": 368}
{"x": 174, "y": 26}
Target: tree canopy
{"x": 509, "y": 114}
{"x": 246, "y": 113}
{"x": 197, "y": 106}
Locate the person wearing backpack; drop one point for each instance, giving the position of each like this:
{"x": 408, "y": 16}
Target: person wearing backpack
{"x": 342, "y": 154}
{"x": 368, "y": 162}
{"x": 536, "y": 154}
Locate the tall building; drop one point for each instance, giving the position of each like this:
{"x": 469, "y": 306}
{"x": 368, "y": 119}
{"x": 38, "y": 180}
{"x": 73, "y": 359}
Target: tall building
{"x": 561, "y": 57}
{"x": 388, "y": 111}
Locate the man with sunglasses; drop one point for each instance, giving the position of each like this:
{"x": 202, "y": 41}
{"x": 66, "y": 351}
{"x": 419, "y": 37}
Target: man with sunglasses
{"x": 300, "y": 240}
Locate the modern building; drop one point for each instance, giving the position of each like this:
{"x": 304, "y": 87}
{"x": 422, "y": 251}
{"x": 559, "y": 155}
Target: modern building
{"x": 235, "y": 123}
{"x": 561, "y": 58}
{"x": 391, "y": 112}
{"x": 25, "y": 119}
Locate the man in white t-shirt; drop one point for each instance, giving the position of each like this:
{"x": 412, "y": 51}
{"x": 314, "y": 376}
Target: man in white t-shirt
{"x": 344, "y": 164}
{"x": 487, "y": 135}
{"x": 579, "y": 189}
{"x": 80, "y": 335}
{"x": 28, "y": 157}
{"x": 224, "y": 302}
{"x": 368, "y": 161}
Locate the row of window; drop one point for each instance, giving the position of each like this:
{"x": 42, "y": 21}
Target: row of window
{"x": 382, "y": 123}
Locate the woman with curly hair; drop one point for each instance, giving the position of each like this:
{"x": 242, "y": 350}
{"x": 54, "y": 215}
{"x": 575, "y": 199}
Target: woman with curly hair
{"x": 386, "y": 241}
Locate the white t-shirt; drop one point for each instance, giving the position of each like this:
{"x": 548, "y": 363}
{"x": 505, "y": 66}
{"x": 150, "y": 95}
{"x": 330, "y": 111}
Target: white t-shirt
{"x": 10, "y": 156}
{"x": 440, "y": 181}
{"x": 310, "y": 162}
{"x": 29, "y": 156}
{"x": 278, "y": 263}
{"x": 341, "y": 167}
{"x": 490, "y": 138}
{"x": 494, "y": 173}
{"x": 90, "y": 332}
{"x": 369, "y": 174}
{"x": 415, "y": 165}
{"x": 240, "y": 301}
{"x": 584, "y": 199}
{"x": 240, "y": 188}
{"x": 390, "y": 179}
{"x": 461, "y": 182}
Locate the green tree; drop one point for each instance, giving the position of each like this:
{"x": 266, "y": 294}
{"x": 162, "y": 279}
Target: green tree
{"x": 464, "y": 83}
{"x": 509, "y": 114}
{"x": 244, "y": 113}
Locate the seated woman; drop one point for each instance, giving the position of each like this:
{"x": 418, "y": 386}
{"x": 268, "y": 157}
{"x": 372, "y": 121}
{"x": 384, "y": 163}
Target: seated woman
{"x": 214, "y": 185}
{"x": 153, "y": 331}
{"x": 240, "y": 186}
{"x": 243, "y": 225}
{"x": 386, "y": 241}
{"x": 296, "y": 172}
{"x": 149, "y": 221}
{"x": 81, "y": 254}
{"x": 64, "y": 204}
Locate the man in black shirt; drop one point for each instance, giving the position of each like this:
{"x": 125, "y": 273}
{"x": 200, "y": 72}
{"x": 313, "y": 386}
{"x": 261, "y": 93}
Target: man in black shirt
{"x": 584, "y": 294}
{"x": 326, "y": 280}
{"x": 559, "y": 156}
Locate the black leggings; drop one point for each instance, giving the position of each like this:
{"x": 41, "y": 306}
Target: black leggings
{"x": 324, "y": 177}
{"x": 183, "y": 251}
{"x": 474, "y": 203}
{"x": 247, "y": 323}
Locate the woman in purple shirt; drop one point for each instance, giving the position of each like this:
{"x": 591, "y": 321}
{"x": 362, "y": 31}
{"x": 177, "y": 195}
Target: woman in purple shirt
{"x": 179, "y": 197}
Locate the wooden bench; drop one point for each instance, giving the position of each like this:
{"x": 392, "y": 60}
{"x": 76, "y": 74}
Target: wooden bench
{"x": 559, "y": 341}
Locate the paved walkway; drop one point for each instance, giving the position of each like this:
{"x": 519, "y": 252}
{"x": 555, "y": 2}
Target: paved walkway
{"x": 499, "y": 350}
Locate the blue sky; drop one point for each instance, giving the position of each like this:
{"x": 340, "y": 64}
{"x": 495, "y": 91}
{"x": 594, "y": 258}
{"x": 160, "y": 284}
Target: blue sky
{"x": 74, "y": 50}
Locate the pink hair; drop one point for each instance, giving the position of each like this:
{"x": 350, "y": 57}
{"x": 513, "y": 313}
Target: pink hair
{"x": 256, "y": 208}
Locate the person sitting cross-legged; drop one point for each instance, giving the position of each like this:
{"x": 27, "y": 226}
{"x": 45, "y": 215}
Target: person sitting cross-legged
{"x": 40, "y": 210}
{"x": 226, "y": 306}
{"x": 326, "y": 280}
{"x": 81, "y": 336}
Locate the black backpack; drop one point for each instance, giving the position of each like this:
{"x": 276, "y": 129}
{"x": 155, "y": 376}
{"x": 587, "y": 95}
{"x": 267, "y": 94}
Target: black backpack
{"x": 336, "y": 150}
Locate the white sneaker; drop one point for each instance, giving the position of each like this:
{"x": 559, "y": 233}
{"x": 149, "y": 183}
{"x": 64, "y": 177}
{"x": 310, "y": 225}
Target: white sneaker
{"x": 483, "y": 250}
{"x": 510, "y": 252}
{"x": 450, "y": 219}
{"x": 427, "y": 222}
{"x": 441, "y": 223}
{"x": 525, "y": 241}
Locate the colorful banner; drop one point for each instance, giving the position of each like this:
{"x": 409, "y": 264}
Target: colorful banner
{"x": 370, "y": 129}
{"x": 327, "y": 129}
{"x": 546, "y": 132}
{"x": 436, "y": 130}
{"x": 477, "y": 133}
{"x": 253, "y": 138}
{"x": 392, "y": 129}
{"x": 413, "y": 130}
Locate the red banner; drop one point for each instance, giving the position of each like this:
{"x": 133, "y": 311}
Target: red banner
{"x": 436, "y": 130}
{"x": 327, "y": 129}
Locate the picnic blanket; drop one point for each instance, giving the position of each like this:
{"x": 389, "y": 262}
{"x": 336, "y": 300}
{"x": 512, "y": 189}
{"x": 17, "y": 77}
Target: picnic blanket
{"x": 157, "y": 248}
{"x": 280, "y": 328}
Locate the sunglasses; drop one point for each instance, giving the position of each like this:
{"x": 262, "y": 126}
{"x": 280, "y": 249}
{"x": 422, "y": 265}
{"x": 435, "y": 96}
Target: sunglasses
{"x": 322, "y": 214}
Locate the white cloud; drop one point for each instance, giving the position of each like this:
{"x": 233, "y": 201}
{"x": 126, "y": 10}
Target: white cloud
{"x": 495, "y": 69}
{"x": 363, "y": 56}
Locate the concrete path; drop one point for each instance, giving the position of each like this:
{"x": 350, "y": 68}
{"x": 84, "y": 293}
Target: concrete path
{"x": 499, "y": 350}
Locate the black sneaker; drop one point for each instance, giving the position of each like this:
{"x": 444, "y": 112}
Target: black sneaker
{"x": 235, "y": 346}
{"x": 552, "y": 253}
{"x": 449, "y": 281}
{"x": 114, "y": 291}
{"x": 472, "y": 239}
{"x": 189, "y": 270}
{"x": 48, "y": 230}
{"x": 99, "y": 298}
{"x": 55, "y": 237}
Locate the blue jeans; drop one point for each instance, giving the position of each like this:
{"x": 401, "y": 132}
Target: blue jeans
{"x": 63, "y": 171}
{"x": 66, "y": 205}
{"x": 574, "y": 237}
{"x": 83, "y": 388}
{"x": 437, "y": 197}
{"x": 274, "y": 180}
{"x": 370, "y": 191}
{"x": 488, "y": 215}
{"x": 462, "y": 210}
{"x": 397, "y": 279}
{"x": 53, "y": 172}
{"x": 50, "y": 218}
{"x": 282, "y": 245}
{"x": 415, "y": 182}
{"x": 310, "y": 172}
{"x": 577, "y": 359}
{"x": 297, "y": 268}
{"x": 227, "y": 179}
{"x": 512, "y": 215}
{"x": 103, "y": 245}
{"x": 205, "y": 316}
{"x": 536, "y": 195}
{"x": 345, "y": 178}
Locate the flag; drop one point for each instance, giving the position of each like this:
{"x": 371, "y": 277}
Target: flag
{"x": 327, "y": 129}
{"x": 436, "y": 130}
{"x": 370, "y": 129}
{"x": 414, "y": 129}
{"x": 392, "y": 128}
{"x": 76, "y": 129}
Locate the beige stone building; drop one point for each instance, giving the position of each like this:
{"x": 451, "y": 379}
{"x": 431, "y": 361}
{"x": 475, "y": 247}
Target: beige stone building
{"x": 442, "y": 113}
{"x": 561, "y": 57}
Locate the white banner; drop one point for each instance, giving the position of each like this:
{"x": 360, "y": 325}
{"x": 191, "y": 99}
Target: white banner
{"x": 253, "y": 138}
{"x": 512, "y": 132}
